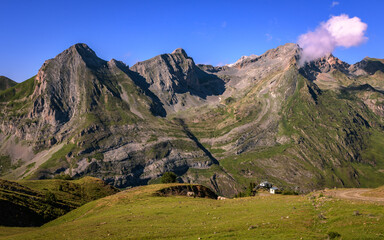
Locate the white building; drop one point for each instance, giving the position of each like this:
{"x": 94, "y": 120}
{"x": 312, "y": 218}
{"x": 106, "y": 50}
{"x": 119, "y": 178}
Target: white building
{"x": 273, "y": 190}
{"x": 265, "y": 184}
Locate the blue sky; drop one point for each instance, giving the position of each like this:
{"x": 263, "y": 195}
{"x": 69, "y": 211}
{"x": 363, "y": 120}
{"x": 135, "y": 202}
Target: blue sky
{"x": 212, "y": 32}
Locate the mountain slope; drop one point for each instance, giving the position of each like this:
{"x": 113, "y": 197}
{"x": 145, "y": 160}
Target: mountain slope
{"x": 102, "y": 120}
{"x": 33, "y": 203}
{"x": 264, "y": 118}
{"x": 299, "y": 145}
{"x": 177, "y": 81}
{"x": 6, "y": 83}
{"x": 139, "y": 213}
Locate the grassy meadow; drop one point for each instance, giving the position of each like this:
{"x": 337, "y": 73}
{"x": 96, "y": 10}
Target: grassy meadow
{"x": 138, "y": 214}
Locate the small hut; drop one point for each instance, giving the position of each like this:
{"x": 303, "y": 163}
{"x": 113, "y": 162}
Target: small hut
{"x": 274, "y": 190}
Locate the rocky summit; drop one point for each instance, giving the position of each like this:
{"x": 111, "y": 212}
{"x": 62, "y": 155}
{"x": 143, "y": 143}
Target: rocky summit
{"x": 263, "y": 118}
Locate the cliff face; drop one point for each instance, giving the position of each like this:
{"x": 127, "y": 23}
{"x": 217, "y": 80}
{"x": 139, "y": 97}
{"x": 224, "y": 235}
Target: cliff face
{"x": 67, "y": 92}
{"x": 263, "y": 118}
{"x": 177, "y": 81}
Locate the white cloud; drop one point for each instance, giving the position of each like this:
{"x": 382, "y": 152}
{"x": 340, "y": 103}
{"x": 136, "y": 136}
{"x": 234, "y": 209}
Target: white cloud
{"x": 347, "y": 32}
{"x": 338, "y": 31}
{"x": 334, "y": 3}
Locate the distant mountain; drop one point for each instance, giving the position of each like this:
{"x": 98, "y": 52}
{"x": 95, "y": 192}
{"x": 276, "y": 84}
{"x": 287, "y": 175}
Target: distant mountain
{"x": 243, "y": 60}
{"x": 177, "y": 81}
{"x": 263, "y": 118}
{"x": 6, "y": 83}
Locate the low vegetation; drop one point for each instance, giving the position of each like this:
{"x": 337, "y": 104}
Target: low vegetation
{"x": 139, "y": 214}
{"x": 32, "y": 203}
{"x": 168, "y": 177}
{"x": 18, "y": 91}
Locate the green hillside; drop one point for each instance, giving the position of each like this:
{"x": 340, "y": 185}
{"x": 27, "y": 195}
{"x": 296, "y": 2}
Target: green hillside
{"x": 32, "y": 203}
{"x": 6, "y": 83}
{"x": 139, "y": 214}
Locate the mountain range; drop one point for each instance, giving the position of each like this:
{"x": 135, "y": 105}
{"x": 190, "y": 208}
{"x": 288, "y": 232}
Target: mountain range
{"x": 262, "y": 118}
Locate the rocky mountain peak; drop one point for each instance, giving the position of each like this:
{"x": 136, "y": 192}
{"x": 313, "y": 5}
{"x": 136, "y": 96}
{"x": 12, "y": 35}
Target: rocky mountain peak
{"x": 243, "y": 61}
{"x": 283, "y": 51}
{"x": 174, "y": 77}
{"x": 62, "y": 82}
{"x": 82, "y": 48}
{"x": 325, "y": 64}
{"x": 76, "y": 56}
{"x": 180, "y": 51}
{"x": 86, "y": 53}
{"x": 280, "y": 57}
{"x": 330, "y": 62}
{"x": 368, "y": 66}
{"x": 167, "y": 71}
{"x": 118, "y": 64}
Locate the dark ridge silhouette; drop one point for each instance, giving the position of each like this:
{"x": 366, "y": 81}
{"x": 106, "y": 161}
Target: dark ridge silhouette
{"x": 363, "y": 87}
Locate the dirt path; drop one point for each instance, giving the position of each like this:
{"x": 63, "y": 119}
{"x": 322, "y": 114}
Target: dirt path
{"x": 354, "y": 194}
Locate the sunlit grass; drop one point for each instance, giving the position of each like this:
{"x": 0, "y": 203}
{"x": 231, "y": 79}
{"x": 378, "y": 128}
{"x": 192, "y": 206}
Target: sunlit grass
{"x": 137, "y": 214}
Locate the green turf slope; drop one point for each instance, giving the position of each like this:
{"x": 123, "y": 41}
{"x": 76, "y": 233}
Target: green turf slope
{"x": 139, "y": 214}
{"x": 33, "y": 203}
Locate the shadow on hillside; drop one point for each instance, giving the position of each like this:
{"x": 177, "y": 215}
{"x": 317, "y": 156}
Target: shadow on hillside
{"x": 157, "y": 106}
{"x": 208, "y": 85}
{"x": 197, "y": 142}
{"x": 363, "y": 87}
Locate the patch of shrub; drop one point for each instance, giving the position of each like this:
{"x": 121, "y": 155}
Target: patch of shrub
{"x": 248, "y": 192}
{"x": 168, "y": 177}
{"x": 99, "y": 156}
{"x": 289, "y": 192}
{"x": 333, "y": 235}
{"x": 63, "y": 177}
{"x": 50, "y": 197}
{"x": 229, "y": 100}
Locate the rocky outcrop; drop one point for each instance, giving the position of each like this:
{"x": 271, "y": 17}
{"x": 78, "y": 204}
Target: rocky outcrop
{"x": 187, "y": 190}
{"x": 367, "y": 66}
{"x": 61, "y": 84}
{"x": 244, "y": 60}
{"x": 324, "y": 65}
{"x": 329, "y": 64}
{"x": 177, "y": 81}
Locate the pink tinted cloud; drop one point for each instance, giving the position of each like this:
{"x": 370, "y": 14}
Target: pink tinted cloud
{"x": 338, "y": 31}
